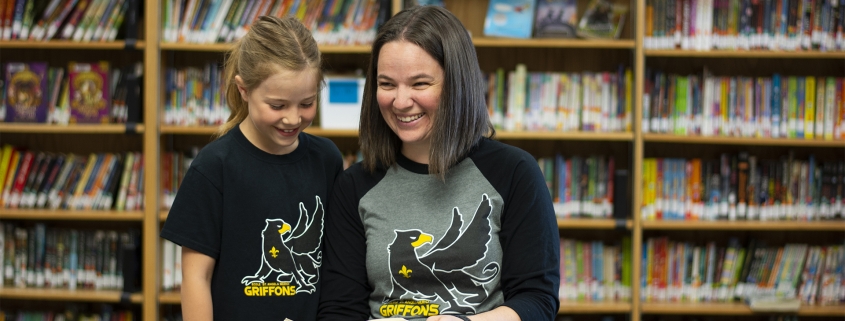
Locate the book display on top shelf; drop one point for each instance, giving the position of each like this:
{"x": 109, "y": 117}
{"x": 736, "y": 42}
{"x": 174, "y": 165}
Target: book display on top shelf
{"x": 556, "y": 19}
{"x": 602, "y": 20}
{"x": 552, "y": 101}
{"x": 331, "y": 22}
{"x": 798, "y": 107}
{"x": 790, "y": 25}
{"x": 70, "y": 20}
{"x": 676, "y": 271}
{"x": 510, "y": 18}
{"x": 743, "y": 187}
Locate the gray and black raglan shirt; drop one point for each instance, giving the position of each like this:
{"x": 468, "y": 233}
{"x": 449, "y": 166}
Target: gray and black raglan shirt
{"x": 402, "y": 243}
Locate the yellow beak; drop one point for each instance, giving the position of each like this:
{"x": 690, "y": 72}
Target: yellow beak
{"x": 285, "y": 228}
{"x": 424, "y": 238}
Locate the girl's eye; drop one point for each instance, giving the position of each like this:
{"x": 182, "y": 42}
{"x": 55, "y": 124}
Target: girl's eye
{"x": 277, "y": 107}
{"x": 307, "y": 105}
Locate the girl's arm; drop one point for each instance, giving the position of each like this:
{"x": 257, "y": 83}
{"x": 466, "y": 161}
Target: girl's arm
{"x": 197, "y": 269}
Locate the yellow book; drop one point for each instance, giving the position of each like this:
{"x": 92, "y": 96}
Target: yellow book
{"x": 4, "y": 163}
{"x": 10, "y": 175}
{"x": 809, "y": 107}
{"x": 80, "y": 185}
{"x": 105, "y": 168}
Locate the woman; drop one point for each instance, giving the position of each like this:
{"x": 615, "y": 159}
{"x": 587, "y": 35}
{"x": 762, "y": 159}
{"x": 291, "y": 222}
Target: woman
{"x": 438, "y": 222}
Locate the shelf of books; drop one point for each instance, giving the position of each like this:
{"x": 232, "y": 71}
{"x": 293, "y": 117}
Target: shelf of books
{"x": 35, "y": 128}
{"x": 79, "y": 295}
{"x": 567, "y": 307}
{"x": 69, "y": 215}
{"x": 828, "y": 225}
{"x": 745, "y": 54}
{"x": 733, "y": 308}
{"x": 170, "y": 297}
{"x": 69, "y": 44}
{"x": 222, "y": 47}
{"x": 716, "y": 140}
{"x": 593, "y": 223}
{"x": 482, "y": 42}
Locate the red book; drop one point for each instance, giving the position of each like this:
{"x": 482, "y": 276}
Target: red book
{"x": 20, "y": 180}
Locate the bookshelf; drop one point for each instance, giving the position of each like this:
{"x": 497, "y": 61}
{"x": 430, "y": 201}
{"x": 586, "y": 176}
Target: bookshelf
{"x": 152, "y": 137}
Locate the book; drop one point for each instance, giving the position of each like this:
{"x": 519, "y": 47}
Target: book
{"x": 27, "y": 97}
{"x": 556, "y": 19}
{"x": 602, "y": 19}
{"x": 509, "y": 18}
{"x": 89, "y": 92}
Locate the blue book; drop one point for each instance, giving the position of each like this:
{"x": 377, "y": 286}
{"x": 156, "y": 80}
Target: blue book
{"x": 509, "y": 18}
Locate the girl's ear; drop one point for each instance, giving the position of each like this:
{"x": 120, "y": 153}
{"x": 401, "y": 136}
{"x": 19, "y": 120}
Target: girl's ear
{"x": 241, "y": 88}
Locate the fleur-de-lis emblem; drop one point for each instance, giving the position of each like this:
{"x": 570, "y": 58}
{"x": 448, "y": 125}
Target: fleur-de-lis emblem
{"x": 406, "y": 272}
{"x": 274, "y": 252}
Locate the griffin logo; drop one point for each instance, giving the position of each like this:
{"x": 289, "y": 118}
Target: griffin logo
{"x": 293, "y": 252}
{"x": 440, "y": 273}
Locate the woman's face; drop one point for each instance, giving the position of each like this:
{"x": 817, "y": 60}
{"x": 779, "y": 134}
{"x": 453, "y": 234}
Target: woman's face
{"x": 409, "y": 86}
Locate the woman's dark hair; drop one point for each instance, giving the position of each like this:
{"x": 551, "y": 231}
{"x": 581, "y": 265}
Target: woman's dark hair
{"x": 461, "y": 119}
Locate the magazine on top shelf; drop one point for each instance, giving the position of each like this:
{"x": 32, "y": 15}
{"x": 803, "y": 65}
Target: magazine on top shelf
{"x": 509, "y": 18}
{"x": 603, "y": 19}
{"x": 26, "y": 92}
{"x": 556, "y": 19}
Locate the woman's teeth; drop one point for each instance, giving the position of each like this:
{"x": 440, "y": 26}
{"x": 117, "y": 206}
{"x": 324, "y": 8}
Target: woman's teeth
{"x": 410, "y": 118}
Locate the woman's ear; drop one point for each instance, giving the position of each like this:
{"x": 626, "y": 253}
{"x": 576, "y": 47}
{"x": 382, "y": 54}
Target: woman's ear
{"x": 241, "y": 87}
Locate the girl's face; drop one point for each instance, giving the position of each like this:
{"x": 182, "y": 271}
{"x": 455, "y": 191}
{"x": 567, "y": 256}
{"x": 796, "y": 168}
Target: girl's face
{"x": 409, "y": 85}
{"x": 279, "y": 109}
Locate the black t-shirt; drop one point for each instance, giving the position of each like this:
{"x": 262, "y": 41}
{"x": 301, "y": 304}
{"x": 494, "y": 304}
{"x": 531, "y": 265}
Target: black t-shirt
{"x": 260, "y": 216}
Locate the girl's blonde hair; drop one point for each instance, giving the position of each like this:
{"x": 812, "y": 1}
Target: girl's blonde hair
{"x": 270, "y": 44}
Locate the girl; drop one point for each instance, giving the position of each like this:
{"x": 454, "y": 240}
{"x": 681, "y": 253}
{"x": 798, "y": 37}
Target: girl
{"x": 249, "y": 213}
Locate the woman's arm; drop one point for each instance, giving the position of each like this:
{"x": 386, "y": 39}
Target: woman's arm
{"x": 501, "y": 313}
{"x": 197, "y": 269}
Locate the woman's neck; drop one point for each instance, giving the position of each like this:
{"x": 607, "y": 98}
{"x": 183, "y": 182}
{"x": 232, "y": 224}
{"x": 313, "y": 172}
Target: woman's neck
{"x": 416, "y": 152}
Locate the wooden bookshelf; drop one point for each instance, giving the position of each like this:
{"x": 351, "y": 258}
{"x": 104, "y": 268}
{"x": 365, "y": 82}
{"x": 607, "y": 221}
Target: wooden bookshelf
{"x": 745, "y": 54}
{"x": 84, "y": 295}
{"x": 70, "y": 215}
{"x": 67, "y": 44}
{"x": 222, "y": 47}
{"x": 35, "y": 128}
{"x": 737, "y": 309}
{"x": 834, "y": 225}
{"x": 590, "y": 136}
{"x": 553, "y": 43}
{"x": 666, "y": 138}
{"x": 593, "y": 223}
{"x": 569, "y": 307}
{"x": 170, "y": 297}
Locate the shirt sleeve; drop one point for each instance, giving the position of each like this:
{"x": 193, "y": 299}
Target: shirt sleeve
{"x": 529, "y": 234}
{"x": 345, "y": 289}
{"x": 194, "y": 220}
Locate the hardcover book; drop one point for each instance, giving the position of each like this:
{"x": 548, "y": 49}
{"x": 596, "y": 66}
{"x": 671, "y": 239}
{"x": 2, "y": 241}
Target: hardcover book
{"x": 556, "y": 19}
{"x": 89, "y": 92}
{"x": 26, "y": 92}
{"x": 602, "y": 19}
{"x": 509, "y": 18}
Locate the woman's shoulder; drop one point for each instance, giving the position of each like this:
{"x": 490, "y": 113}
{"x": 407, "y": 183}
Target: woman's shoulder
{"x": 491, "y": 148}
